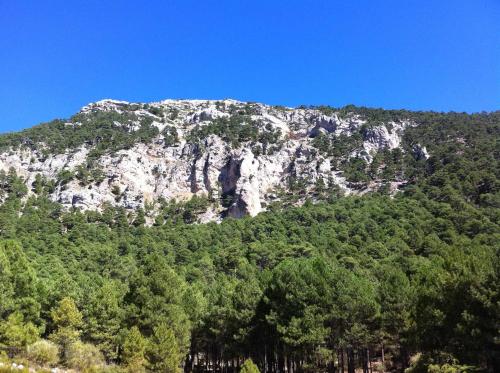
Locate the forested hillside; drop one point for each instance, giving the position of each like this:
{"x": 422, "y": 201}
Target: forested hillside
{"x": 382, "y": 281}
{"x": 242, "y": 157}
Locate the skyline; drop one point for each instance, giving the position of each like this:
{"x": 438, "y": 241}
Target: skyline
{"x": 420, "y": 56}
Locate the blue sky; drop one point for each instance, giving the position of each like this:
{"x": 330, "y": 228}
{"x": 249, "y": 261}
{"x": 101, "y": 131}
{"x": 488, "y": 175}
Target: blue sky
{"x": 56, "y": 56}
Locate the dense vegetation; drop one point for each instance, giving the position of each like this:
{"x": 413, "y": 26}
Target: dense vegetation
{"x": 454, "y": 139}
{"x": 106, "y": 131}
{"x": 236, "y": 129}
{"x": 350, "y": 282}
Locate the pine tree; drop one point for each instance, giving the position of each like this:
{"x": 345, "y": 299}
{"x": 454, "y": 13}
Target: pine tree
{"x": 164, "y": 355}
{"x": 18, "y": 282}
{"x": 103, "y": 316}
{"x": 67, "y": 320}
{"x": 134, "y": 348}
{"x": 140, "y": 218}
{"x": 6, "y": 288}
{"x": 17, "y": 333}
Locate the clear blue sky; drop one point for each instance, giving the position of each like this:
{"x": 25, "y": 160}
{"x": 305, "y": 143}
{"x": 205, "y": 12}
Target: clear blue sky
{"x": 56, "y": 56}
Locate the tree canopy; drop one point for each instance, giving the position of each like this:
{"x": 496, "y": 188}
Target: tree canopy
{"x": 338, "y": 282}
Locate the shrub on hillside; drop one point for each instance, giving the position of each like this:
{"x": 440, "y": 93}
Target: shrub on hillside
{"x": 43, "y": 353}
{"x": 249, "y": 367}
{"x": 84, "y": 356}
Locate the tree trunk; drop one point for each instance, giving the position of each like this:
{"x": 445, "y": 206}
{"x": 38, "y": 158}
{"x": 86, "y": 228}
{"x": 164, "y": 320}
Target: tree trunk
{"x": 370, "y": 361}
{"x": 270, "y": 361}
{"x": 281, "y": 363}
{"x": 383, "y": 358}
{"x": 366, "y": 358}
{"x": 341, "y": 360}
{"x": 331, "y": 366}
{"x": 405, "y": 359}
{"x": 189, "y": 365}
{"x": 350, "y": 361}
{"x": 265, "y": 358}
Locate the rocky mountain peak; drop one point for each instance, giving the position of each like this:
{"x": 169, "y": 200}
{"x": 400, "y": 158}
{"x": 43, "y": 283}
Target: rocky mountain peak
{"x": 241, "y": 156}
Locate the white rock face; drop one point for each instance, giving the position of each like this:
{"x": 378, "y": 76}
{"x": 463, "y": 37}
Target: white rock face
{"x": 381, "y": 137}
{"x": 420, "y": 152}
{"x": 211, "y": 167}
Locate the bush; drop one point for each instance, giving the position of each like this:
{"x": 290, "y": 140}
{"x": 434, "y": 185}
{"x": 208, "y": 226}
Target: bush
{"x": 16, "y": 333}
{"x": 249, "y": 367}
{"x": 43, "y": 353}
{"x": 438, "y": 364}
{"x": 84, "y": 356}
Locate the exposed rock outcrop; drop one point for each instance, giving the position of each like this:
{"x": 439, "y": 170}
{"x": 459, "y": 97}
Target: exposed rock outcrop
{"x": 245, "y": 175}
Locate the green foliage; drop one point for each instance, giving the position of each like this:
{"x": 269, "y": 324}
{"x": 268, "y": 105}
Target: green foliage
{"x": 249, "y": 367}
{"x": 235, "y": 130}
{"x": 7, "y": 369}
{"x": 417, "y": 272}
{"x": 163, "y": 351}
{"x": 355, "y": 170}
{"x": 298, "y": 292}
{"x": 43, "y": 353}
{"x": 155, "y": 110}
{"x": 140, "y": 218}
{"x": 462, "y": 146}
{"x": 18, "y": 282}
{"x": 106, "y": 131}
{"x": 439, "y": 364}
{"x": 357, "y": 271}
{"x": 17, "y": 333}
{"x": 170, "y": 135}
{"x": 84, "y": 356}
{"x": 67, "y": 321}
{"x": 183, "y": 211}
{"x": 396, "y": 299}
{"x": 134, "y": 349}
{"x": 11, "y": 184}
{"x": 103, "y": 318}
{"x": 64, "y": 177}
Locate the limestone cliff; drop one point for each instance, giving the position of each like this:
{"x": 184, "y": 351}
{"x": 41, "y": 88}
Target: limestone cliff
{"x": 239, "y": 154}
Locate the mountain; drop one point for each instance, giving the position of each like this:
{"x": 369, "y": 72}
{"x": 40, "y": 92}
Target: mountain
{"x": 237, "y": 158}
{"x": 374, "y": 243}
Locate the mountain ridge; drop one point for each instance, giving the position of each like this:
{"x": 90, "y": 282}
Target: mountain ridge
{"x": 240, "y": 156}
{"x": 404, "y": 266}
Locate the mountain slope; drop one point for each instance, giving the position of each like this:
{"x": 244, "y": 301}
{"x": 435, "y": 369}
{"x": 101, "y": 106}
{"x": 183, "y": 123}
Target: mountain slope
{"x": 240, "y": 157}
{"x": 344, "y": 283}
